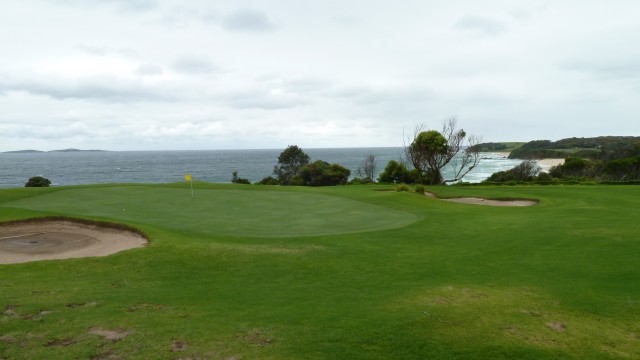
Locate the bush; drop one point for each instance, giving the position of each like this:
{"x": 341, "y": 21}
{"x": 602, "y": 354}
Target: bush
{"x": 37, "y": 181}
{"x": 321, "y": 173}
{"x": 296, "y": 180}
{"x": 420, "y": 189}
{"x": 269, "y": 180}
{"x": 396, "y": 172}
{"x": 360, "y": 181}
{"x": 525, "y": 171}
{"x": 623, "y": 169}
{"x": 238, "y": 180}
{"x": 402, "y": 187}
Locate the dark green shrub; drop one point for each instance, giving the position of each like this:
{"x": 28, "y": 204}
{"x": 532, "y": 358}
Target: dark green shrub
{"x": 321, "y": 173}
{"x": 296, "y": 180}
{"x": 396, "y": 173}
{"x": 420, "y": 189}
{"x": 360, "y": 181}
{"x": 402, "y": 187}
{"x": 269, "y": 180}
{"x": 543, "y": 176}
{"x": 238, "y": 180}
{"x": 37, "y": 181}
{"x": 623, "y": 169}
{"x": 525, "y": 171}
{"x": 589, "y": 183}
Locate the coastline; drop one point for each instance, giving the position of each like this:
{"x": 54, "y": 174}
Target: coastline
{"x": 545, "y": 164}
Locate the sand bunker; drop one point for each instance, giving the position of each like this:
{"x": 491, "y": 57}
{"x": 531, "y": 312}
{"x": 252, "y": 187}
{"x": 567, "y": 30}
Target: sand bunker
{"x": 48, "y": 239}
{"x": 481, "y": 201}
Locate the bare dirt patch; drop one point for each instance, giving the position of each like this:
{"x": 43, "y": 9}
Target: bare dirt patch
{"x": 488, "y": 202}
{"x": 113, "y": 335}
{"x": 61, "y": 342}
{"x": 106, "y": 355}
{"x": 7, "y": 339}
{"x": 178, "y": 346}
{"x": 258, "y": 337}
{"x": 51, "y": 239}
{"x": 556, "y": 326}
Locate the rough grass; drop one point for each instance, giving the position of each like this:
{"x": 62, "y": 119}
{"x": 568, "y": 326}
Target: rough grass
{"x": 555, "y": 280}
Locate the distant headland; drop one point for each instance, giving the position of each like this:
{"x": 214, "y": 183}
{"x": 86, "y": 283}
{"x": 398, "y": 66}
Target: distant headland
{"x": 52, "y": 151}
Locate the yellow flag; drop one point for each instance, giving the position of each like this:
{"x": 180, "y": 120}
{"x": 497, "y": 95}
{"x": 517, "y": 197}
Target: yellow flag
{"x": 187, "y": 177}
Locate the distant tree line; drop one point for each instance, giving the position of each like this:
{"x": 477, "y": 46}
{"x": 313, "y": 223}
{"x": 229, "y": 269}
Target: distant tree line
{"x": 595, "y": 148}
{"x": 602, "y": 159}
{"x": 491, "y": 146}
{"x": 427, "y": 152}
{"x": 426, "y": 155}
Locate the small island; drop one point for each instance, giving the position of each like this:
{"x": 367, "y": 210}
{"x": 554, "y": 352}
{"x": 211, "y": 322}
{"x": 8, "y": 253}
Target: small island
{"x": 52, "y": 151}
{"x": 22, "y": 152}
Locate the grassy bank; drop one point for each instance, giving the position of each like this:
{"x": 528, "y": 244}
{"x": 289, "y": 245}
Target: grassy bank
{"x": 355, "y": 272}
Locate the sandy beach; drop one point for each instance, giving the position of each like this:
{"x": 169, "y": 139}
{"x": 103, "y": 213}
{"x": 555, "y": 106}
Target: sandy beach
{"x": 547, "y": 164}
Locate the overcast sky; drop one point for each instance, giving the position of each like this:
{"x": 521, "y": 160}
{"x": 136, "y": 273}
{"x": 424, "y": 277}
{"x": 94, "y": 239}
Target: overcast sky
{"x": 170, "y": 74}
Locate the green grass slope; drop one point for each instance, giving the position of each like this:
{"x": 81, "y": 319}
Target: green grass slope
{"x": 248, "y": 272}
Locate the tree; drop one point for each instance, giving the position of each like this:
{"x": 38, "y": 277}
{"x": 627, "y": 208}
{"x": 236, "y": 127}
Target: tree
{"x": 396, "y": 172}
{"x": 238, "y": 180}
{"x": 290, "y": 161}
{"x": 37, "y": 181}
{"x": 321, "y": 173}
{"x": 367, "y": 173}
{"x": 430, "y": 151}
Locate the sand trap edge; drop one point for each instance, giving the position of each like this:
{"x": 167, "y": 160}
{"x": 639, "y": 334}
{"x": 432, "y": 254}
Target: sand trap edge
{"x": 486, "y": 202}
{"x": 111, "y": 237}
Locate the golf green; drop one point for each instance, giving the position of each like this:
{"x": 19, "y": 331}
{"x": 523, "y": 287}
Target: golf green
{"x": 224, "y": 212}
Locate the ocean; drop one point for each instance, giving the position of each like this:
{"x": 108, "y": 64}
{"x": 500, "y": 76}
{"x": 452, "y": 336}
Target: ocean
{"x": 103, "y": 167}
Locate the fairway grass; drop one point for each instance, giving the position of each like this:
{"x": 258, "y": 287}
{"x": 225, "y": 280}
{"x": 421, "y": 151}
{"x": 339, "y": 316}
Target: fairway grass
{"x": 352, "y": 272}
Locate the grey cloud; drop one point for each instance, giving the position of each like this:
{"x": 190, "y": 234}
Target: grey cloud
{"x": 149, "y": 70}
{"x": 606, "y": 69}
{"x": 134, "y": 5}
{"x": 248, "y": 21}
{"x": 262, "y": 101}
{"x": 120, "y": 5}
{"x": 103, "y": 89}
{"x": 194, "y": 66}
{"x": 306, "y": 86}
{"x": 481, "y": 26}
{"x": 369, "y": 96}
{"x": 183, "y": 17}
{"x": 49, "y": 131}
{"x": 105, "y": 51}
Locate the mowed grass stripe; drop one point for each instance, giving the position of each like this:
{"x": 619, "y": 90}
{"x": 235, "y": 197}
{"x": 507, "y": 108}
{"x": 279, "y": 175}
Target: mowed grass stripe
{"x": 224, "y": 212}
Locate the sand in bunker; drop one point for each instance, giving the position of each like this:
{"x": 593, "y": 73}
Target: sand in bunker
{"x": 49, "y": 240}
{"x": 481, "y": 201}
